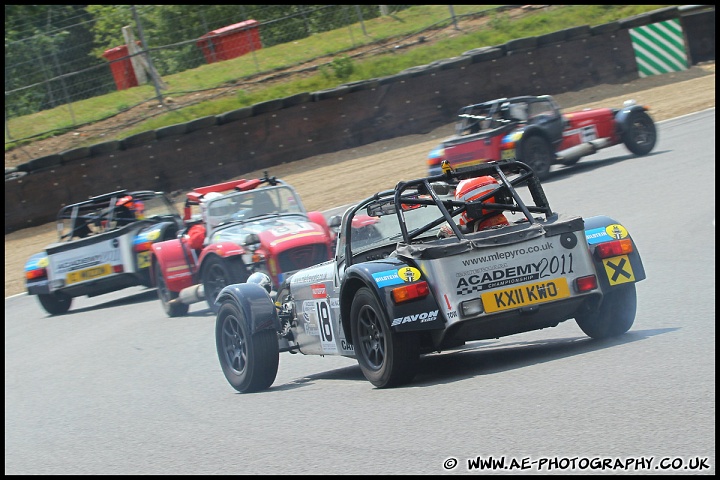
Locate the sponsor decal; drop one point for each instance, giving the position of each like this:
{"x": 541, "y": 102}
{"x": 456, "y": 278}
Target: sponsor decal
{"x": 606, "y": 234}
{"x": 318, "y": 290}
{"x": 509, "y": 254}
{"x": 619, "y": 270}
{"x": 422, "y": 317}
{"x": 387, "y": 278}
{"x": 309, "y": 278}
{"x": 546, "y": 267}
{"x": 395, "y": 277}
{"x": 309, "y": 316}
{"x": 409, "y": 274}
{"x": 587, "y": 133}
{"x": 616, "y": 231}
{"x": 347, "y": 347}
{"x": 89, "y": 261}
{"x": 597, "y": 235}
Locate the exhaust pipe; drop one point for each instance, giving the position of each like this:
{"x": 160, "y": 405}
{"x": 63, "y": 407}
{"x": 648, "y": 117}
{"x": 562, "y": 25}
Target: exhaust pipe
{"x": 193, "y": 294}
{"x": 582, "y": 150}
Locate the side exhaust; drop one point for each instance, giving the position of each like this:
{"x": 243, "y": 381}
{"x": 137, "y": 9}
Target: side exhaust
{"x": 582, "y": 150}
{"x": 189, "y": 295}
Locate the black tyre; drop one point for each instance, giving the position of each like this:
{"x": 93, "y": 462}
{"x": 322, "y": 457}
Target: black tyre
{"x": 218, "y": 274}
{"x": 639, "y": 134}
{"x": 249, "y": 361}
{"x": 538, "y": 154}
{"x": 166, "y": 296}
{"x": 615, "y": 315}
{"x": 386, "y": 358}
{"x": 55, "y": 303}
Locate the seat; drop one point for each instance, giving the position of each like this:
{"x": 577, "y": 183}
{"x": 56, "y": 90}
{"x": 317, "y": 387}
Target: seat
{"x": 262, "y": 204}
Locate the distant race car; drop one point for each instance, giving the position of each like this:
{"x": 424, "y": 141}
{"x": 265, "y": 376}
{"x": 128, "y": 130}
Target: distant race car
{"x": 532, "y": 129}
{"x": 103, "y": 246}
{"x": 247, "y": 226}
{"x": 447, "y": 263}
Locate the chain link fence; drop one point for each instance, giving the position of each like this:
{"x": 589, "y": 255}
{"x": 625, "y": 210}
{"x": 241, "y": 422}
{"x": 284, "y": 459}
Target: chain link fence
{"x": 72, "y": 58}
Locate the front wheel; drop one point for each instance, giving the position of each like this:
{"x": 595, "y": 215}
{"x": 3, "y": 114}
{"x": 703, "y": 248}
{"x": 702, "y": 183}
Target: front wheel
{"x": 55, "y": 303}
{"x": 639, "y": 134}
{"x": 614, "y": 316}
{"x": 249, "y": 361}
{"x": 538, "y": 154}
{"x": 172, "y": 309}
{"x": 218, "y": 274}
{"x": 386, "y": 358}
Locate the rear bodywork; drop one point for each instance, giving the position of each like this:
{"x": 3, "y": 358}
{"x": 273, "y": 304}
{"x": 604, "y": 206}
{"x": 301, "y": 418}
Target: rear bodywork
{"x": 98, "y": 251}
{"x": 538, "y": 271}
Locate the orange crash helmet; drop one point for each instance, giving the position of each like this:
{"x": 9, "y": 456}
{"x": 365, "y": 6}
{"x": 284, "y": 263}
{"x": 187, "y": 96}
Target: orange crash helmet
{"x": 133, "y": 206}
{"x": 472, "y": 189}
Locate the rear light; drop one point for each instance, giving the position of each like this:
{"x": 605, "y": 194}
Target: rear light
{"x": 36, "y": 273}
{"x": 143, "y": 246}
{"x": 435, "y": 157}
{"x": 614, "y": 248}
{"x": 585, "y": 284}
{"x": 118, "y": 269}
{"x": 410, "y": 292}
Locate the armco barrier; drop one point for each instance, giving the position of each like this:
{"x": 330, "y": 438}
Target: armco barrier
{"x": 214, "y": 149}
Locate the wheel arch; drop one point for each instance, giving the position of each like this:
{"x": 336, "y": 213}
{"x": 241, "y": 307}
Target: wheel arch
{"x": 595, "y": 233}
{"x": 622, "y": 115}
{"x": 255, "y": 304}
{"x": 535, "y": 131}
{"x": 420, "y": 314}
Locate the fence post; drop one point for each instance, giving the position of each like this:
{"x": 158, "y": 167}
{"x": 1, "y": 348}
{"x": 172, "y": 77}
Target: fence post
{"x": 153, "y": 72}
{"x": 454, "y": 18}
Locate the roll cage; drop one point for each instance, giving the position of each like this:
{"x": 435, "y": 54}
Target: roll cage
{"x": 409, "y": 197}
{"x": 102, "y": 213}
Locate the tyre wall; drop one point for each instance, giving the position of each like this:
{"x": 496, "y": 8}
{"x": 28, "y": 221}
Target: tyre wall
{"x": 216, "y": 148}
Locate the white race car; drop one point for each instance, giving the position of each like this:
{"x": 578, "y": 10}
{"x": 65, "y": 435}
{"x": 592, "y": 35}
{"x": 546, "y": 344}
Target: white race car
{"x": 418, "y": 282}
{"x": 104, "y": 245}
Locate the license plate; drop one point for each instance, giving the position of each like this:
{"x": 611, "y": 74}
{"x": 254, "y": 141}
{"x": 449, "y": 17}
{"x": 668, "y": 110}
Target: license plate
{"x": 143, "y": 259}
{"x": 89, "y": 273}
{"x": 507, "y": 154}
{"x": 523, "y": 295}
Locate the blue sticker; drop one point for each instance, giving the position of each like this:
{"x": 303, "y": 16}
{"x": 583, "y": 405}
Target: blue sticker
{"x": 597, "y": 235}
{"x": 388, "y": 277}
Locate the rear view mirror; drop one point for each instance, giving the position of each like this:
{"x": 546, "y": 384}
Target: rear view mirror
{"x": 378, "y": 210}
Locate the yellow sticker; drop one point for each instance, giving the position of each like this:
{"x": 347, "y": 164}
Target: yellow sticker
{"x": 616, "y": 231}
{"x": 618, "y": 270}
{"x": 409, "y": 274}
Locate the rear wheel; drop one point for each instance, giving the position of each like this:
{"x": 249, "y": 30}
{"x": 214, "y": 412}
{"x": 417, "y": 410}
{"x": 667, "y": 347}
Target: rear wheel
{"x": 538, "y": 154}
{"x": 218, "y": 274}
{"x": 55, "y": 303}
{"x": 615, "y": 315}
{"x": 249, "y": 361}
{"x": 172, "y": 309}
{"x": 639, "y": 134}
{"x": 386, "y": 358}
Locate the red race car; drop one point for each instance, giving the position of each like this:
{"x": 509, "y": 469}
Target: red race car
{"x": 243, "y": 227}
{"x": 532, "y": 129}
